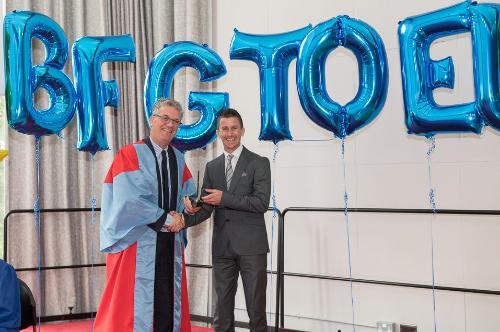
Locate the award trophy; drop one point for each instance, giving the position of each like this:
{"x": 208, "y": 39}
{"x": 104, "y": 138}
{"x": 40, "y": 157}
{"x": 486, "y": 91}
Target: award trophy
{"x": 197, "y": 202}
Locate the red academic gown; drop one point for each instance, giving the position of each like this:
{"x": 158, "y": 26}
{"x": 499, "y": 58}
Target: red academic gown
{"x": 130, "y": 211}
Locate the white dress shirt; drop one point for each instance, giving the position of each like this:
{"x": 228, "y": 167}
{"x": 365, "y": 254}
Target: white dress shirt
{"x": 159, "y": 159}
{"x": 236, "y": 155}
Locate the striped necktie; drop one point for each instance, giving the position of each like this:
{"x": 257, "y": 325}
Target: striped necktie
{"x": 229, "y": 170}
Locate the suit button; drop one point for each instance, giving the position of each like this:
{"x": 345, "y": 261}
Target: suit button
{"x": 228, "y": 220}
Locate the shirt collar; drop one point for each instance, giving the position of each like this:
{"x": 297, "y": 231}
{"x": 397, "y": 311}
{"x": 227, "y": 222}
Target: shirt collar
{"x": 236, "y": 153}
{"x": 157, "y": 148}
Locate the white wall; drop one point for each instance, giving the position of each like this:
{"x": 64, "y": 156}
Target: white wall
{"x": 386, "y": 168}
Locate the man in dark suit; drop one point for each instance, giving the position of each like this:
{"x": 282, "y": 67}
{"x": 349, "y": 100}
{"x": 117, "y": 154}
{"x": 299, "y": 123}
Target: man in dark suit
{"x": 237, "y": 187}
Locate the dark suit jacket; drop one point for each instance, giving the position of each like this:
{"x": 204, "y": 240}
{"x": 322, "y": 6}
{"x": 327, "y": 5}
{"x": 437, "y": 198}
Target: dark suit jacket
{"x": 239, "y": 219}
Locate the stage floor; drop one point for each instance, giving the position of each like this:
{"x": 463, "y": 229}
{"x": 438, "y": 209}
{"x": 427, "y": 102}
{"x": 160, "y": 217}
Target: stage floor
{"x": 85, "y": 326}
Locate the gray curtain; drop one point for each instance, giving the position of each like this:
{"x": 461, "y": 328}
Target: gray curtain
{"x": 66, "y": 174}
{"x": 66, "y": 182}
{"x": 153, "y": 24}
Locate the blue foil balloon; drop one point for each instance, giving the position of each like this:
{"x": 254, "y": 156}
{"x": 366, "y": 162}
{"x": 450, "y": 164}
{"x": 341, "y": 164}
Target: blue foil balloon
{"x": 273, "y": 54}
{"x": 203, "y": 131}
{"x": 369, "y": 50}
{"x": 421, "y": 75}
{"x": 485, "y": 31}
{"x": 89, "y": 53}
{"x": 23, "y": 79}
{"x": 161, "y": 72}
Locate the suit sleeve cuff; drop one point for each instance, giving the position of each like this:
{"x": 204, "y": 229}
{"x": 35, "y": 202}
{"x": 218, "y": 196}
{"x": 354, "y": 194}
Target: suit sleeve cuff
{"x": 158, "y": 224}
{"x": 224, "y": 200}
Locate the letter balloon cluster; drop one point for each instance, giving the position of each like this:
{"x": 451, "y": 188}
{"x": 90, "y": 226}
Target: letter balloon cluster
{"x": 273, "y": 54}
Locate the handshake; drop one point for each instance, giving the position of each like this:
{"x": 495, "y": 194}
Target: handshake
{"x": 212, "y": 197}
{"x": 177, "y": 223}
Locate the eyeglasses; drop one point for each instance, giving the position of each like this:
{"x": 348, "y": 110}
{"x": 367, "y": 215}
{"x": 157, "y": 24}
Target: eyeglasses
{"x": 167, "y": 119}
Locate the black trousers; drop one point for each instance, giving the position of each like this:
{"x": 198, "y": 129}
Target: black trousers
{"x": 254, "y": 276}
{"x": 163, "y": 318}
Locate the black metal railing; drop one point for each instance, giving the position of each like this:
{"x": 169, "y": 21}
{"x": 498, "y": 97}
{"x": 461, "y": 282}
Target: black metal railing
{"x": 22, "y": 211}
{"x": 84, "y": 315}
{"x": 280, "y": 296}
{"x": 280, "y": 272}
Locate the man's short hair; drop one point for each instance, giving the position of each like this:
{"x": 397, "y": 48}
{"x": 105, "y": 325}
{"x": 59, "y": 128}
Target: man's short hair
{"x": 229, "y": 113}
{"x": 162, "y": 102}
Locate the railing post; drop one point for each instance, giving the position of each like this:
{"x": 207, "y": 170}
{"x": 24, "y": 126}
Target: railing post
{"x": 281, "y": 260}
{"x": 278, "y": 275}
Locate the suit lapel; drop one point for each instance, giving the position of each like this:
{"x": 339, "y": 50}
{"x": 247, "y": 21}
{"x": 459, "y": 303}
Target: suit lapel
{"x": 240, "y": 167}
{"x": 220, "y": 170}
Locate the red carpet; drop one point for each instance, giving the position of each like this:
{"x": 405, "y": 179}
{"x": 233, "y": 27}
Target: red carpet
{"x": 84, "y": 326}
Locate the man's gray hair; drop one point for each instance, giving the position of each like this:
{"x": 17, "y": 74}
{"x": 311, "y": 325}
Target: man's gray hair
{"x": 162, "y": 102}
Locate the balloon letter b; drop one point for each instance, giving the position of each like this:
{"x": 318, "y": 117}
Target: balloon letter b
{"x": 22, "y": 79}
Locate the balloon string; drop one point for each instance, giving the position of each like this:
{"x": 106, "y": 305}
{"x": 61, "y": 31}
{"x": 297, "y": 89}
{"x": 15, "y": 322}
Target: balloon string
{"x": 346, "y": 218}
{"x": 343, "y": 132}
{"x": 38, "y": 229}
{"x": 93, "y": 204}
{"x": 275, "y": 214}
{"x": 432, "y": 200}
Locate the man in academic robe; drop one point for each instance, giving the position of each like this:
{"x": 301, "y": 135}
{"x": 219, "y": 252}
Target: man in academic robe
{"x": 145, "y": 274}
